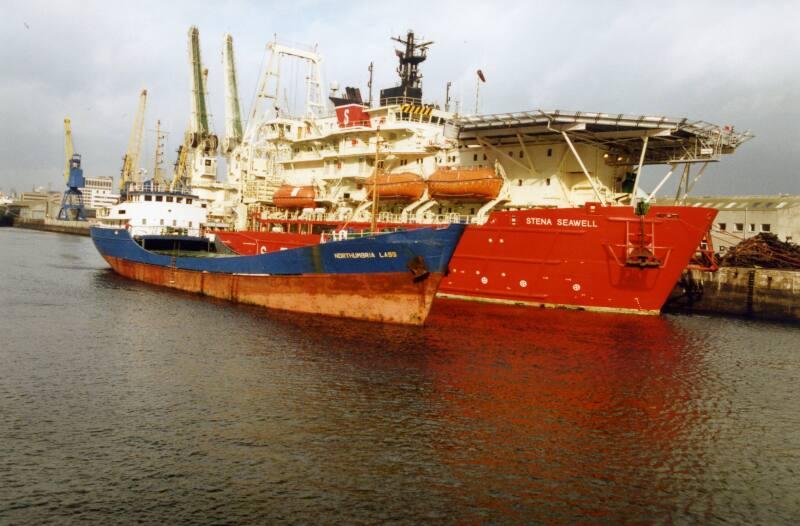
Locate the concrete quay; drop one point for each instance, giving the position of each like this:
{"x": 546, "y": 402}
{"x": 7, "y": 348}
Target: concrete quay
{"x": 79, "y": 228}
{"x": 768, "y": 294}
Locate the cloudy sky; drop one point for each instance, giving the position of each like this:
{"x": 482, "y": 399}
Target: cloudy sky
{"x": 724, "y": 62}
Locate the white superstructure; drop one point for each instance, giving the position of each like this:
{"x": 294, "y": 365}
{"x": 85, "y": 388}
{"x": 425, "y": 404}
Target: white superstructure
{"x": 537, "y": 158}
{"x": 150, "y": 209}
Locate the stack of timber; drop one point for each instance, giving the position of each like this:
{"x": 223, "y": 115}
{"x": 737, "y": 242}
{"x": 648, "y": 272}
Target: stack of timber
{"x": 759, "y": 278}
{"x": 763, "y": 251}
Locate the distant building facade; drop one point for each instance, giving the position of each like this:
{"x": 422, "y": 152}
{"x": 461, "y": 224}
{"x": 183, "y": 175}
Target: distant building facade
{"x": 99, "y": 192}
{"x": 742, "y": 217}
{"x": 38, "y": 204}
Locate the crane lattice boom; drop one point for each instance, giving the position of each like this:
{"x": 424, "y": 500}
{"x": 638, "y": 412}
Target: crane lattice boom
{"x": 68, "y": 148}
{"x": 233, "y": 115}
{"x": 130, "y": 164}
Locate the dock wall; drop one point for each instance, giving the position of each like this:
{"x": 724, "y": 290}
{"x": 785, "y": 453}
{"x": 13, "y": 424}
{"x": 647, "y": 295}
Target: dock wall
{"x": 80, "y": 228}
{"x": 758, "y": 293}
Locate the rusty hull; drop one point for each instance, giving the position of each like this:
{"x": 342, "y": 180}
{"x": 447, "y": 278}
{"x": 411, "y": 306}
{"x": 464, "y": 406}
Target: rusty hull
{"x": 392, "y": 297}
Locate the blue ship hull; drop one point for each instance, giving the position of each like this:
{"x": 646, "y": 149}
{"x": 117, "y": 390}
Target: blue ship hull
{"x": 389, "y": 277}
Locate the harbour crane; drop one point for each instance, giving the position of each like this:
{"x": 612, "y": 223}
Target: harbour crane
{"x": 72, "y": 202}
{"x": 130, "y": 162}
{"x": 233, "y": 114}
{"x": 201, "y": 141}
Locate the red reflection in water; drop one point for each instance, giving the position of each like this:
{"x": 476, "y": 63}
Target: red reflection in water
{"x": 566, "y": 409}
{"x": 541, "y": 414}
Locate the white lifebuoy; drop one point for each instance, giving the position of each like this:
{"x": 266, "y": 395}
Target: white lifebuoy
{"x": 263, "y": 249}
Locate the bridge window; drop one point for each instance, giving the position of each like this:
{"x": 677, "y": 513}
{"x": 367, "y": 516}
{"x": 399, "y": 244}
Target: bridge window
{"x": 549, "y": 152}
{"x": 547, "y": 181}
{"x": 188, "y": 201}
{"x": 169, "y": 199}
{"x": 521, "y": 154}
{"x": 475, "y": 157}
{"x": 484, "y": 156}
{"x": 765, "y": 227}
{"x": 148, "y": 198}
{"x": 722, "y": 226}
{"x": 159, "y": 198}
{"x": 144, "y": 220}
{"x": 752, "y": 227}
{"x": 740, "y": 227}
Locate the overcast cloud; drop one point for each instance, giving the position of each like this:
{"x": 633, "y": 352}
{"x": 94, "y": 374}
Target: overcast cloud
{"x": 724, "y": 62}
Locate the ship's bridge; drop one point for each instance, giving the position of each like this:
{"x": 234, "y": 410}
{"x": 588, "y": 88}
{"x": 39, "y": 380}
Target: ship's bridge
{"x": 626, "y": 139}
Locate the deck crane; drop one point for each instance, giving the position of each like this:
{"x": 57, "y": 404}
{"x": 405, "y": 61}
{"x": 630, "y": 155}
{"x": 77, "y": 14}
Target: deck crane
{"x": 201, "y": 142}
{"x": 72, "y": 202}
{"x": 130, "y": 162}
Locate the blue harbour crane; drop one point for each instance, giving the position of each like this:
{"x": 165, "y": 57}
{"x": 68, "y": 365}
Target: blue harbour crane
{"x": 72, "y": 202}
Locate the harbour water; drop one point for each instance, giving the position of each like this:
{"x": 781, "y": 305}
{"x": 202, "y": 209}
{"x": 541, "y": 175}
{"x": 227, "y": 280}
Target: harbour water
{"x": 123, "y": 402}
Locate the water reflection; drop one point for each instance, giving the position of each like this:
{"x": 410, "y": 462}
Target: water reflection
{"x": 160, "y": 404}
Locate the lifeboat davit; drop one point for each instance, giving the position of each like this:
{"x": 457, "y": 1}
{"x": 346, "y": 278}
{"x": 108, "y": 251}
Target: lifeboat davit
{"x": 288, "y": 196}
{"x": 473, "y": 184}
{"x": 404, "y": 186}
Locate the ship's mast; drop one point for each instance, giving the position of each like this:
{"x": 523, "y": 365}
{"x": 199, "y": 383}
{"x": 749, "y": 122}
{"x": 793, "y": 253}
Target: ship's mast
{"x": 410, "y": 88}
{"x": 369, "y": 85}
{"x": 410, "y": 59}
{"x": 158, "y": 158}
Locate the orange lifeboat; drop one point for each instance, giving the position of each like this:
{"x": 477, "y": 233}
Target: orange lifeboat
{"x": 403, "y": 186}
{"x": 288, "y": 196}
{"x": 462, "y": 184}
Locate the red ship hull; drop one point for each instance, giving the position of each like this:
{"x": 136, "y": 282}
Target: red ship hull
{"x": 594, "y": 257}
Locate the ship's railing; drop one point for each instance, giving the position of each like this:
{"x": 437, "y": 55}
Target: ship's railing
{"x": 393, "y": 101}
{"x": 149, "y": 186}
{"x": 315, "y": 214}
{"x": 163, "y": 230}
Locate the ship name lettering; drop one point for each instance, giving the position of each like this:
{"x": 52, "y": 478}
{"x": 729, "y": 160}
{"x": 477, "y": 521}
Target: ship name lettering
{"x": 563, "y": 222}
{"x": 389, "y": 254}
{"x": 354, "y": 255}
{"x": 583, "y": 223}
{"x": 539, "y": 221}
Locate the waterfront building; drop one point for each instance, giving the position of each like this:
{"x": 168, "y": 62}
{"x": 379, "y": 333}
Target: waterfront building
{"x": 38, "y": 204}
{"x": 98, "y": 192}
{"x": 741, "y": 217}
